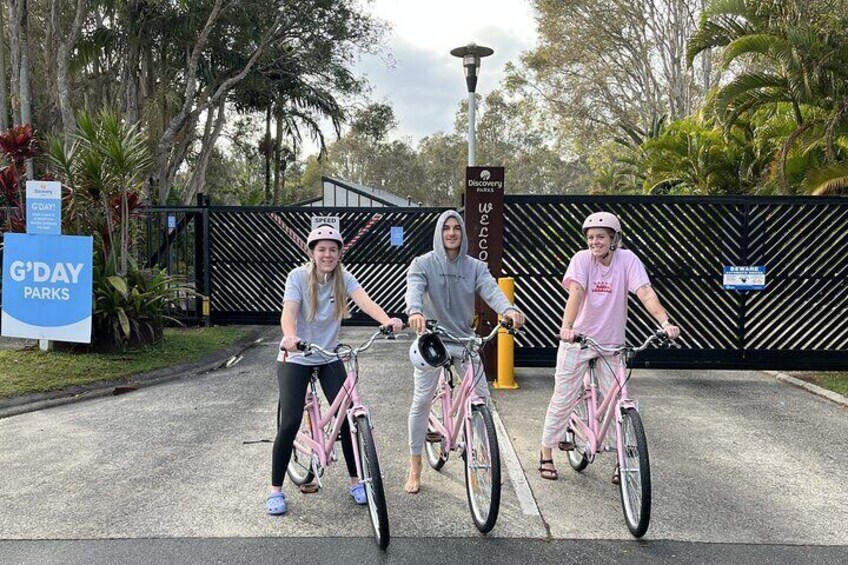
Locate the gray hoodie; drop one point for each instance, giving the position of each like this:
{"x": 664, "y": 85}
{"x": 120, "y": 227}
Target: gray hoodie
{"x": 444, "y": 290}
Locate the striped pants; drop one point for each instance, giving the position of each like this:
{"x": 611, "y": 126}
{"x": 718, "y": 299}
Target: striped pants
{"x": 571, "y": 366}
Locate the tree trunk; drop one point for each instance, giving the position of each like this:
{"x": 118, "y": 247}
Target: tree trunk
{"x": 67, "y": 41}
{"x": 194, "y": 105}
{"x": 130, "y": 78}
{"x": 15, "y": 58}
{"x": 278, "y": 157}
{"x": 267, "y": 152}
{"x": 4, "y": 103}
{"x": 49, "y": 82}
{"x": 210, "y": 136}
{"x": 26, "y": 97}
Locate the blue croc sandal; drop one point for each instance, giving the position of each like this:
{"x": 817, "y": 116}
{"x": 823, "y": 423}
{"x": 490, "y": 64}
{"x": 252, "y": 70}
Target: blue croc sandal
{"x": 357, "y": 491}
{"x": 275, "y": 504}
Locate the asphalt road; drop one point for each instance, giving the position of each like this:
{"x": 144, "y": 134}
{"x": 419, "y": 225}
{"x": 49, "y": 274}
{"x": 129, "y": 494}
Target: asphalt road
{"x": 745, "y": 468}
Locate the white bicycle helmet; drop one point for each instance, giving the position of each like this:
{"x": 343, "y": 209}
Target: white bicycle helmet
{"x": 322, "y": 233}
{"x": 428, "y": 351}
{"x": 604, "y": 220}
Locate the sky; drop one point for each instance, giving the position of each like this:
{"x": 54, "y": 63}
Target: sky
{"x": 426, "y": 84}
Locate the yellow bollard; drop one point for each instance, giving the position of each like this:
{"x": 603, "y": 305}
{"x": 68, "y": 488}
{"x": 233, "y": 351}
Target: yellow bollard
{"x": 506, "y": 344}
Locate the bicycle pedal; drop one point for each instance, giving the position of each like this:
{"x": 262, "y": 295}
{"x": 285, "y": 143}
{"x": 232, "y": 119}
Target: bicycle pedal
{"x": 566, "y": 446}
{"x": 434, "y": 437}
{"x": 309, "y": 488}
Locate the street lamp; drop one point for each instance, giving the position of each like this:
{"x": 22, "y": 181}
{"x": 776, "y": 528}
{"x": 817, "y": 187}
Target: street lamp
{"x": 471, "y": 55}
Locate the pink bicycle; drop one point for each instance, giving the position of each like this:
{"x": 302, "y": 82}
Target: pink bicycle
{"x": 461, "y": 421}
{"x": 590, "y": 422}
{"x": 313, "y": 449}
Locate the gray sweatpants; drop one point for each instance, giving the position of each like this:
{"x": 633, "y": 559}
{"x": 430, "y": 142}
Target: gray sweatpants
{"x": 426, "y": 381}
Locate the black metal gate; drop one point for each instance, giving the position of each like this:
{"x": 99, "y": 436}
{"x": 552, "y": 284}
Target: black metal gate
{"x": 253, "y": 249}
{"x": 799, "y": 321}
{"x": 239, "y": 258}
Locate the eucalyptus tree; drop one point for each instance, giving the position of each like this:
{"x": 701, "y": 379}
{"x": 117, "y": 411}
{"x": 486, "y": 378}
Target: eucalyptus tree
{"x": 600, "y": 63}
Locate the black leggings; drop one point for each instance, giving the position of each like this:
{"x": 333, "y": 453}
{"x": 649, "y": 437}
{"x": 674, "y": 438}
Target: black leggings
{"x": 294, "y": 380}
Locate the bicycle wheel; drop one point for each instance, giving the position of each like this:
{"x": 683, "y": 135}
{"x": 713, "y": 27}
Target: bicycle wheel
{"x": 577, "y": 456}
{"x": 437, "y": 455}
{"x": 300, "y": 464}
{"x": 373, "y": 481}
{"x": 635, "y": 484}
{"x": 483, "y": 469}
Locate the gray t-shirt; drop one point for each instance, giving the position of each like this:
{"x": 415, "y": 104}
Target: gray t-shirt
{"x": 323, "y": 329}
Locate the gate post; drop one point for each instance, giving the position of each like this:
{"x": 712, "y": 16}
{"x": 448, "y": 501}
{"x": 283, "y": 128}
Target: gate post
{"x": 201, "y": 258}
{"x": 484, "y": 220}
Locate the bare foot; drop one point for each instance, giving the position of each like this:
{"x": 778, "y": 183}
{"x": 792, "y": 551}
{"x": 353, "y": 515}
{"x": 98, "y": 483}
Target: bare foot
{"x": 413, "y": 480}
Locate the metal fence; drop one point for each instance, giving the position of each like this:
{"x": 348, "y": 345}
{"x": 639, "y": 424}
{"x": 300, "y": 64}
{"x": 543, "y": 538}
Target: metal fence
{"x": 239, "y": 258}
{"x": 799, "y": 320}
{"x": 253, "y": 249}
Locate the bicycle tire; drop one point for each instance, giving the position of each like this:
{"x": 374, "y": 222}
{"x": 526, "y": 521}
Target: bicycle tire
{"x": 299, "y": 469}
{"x": 373, "y": 482}
{"x": 437, "y": 455}
{"x": 482, "y": 469}
{"x": 577, "y": 456}
{"x": 635, "y": 480}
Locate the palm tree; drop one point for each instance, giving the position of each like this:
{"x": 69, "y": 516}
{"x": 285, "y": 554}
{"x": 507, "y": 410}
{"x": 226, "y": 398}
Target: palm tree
{"x": 787, "y": 55}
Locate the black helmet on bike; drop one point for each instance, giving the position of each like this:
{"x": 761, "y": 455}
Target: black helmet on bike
{"x": 428, "y": 351}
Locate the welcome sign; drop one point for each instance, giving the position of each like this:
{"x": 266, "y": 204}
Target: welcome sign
{"x": 47, "y": 284}
{"x": 43, "y": 207}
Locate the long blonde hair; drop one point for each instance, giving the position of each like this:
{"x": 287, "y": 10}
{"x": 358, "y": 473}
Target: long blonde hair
{"x": 339, "y": 291}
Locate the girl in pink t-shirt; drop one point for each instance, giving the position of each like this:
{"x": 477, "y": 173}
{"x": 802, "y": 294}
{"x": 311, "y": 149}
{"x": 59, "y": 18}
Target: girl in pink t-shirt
{"x": 598, "y": 280}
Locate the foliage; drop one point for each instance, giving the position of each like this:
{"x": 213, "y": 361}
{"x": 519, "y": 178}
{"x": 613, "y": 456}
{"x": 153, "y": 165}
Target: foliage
{"x": 103, "y": 172}
{"x": 17, "y": 145}
{"x": 135, "y": 305}
{"x": 30, "y": 370}
{"x": 793, "y": 58}
{"x": 600, "y": 64}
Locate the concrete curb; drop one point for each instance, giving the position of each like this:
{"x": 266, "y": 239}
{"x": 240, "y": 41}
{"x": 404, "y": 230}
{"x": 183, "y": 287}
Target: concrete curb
{"x": 810, "y": 387}
{"x": 41, "y": 400}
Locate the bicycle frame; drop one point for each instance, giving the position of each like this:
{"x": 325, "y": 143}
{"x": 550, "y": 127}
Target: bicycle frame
{"x": 458, "y": 411}
{"x": 347, "y": 405}
{"x": 616, "y": 399}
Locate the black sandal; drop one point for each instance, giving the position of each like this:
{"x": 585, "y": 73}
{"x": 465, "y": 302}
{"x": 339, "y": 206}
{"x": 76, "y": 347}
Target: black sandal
{"x": 546, "y": 473}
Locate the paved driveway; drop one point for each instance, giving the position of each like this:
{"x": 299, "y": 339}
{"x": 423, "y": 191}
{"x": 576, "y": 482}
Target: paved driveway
{"x": 736, "y": 457}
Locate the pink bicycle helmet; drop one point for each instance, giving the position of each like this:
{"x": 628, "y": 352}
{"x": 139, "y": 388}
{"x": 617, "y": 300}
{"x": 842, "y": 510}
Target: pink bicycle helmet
{"x": 604, "y": 220}
{"x": 324, "y": 233}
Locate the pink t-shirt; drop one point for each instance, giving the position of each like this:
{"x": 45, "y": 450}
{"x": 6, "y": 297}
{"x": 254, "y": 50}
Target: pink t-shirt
{"x": 603, "y": 312}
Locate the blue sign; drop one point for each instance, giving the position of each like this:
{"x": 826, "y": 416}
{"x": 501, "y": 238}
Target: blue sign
{"x": 396, "y": 236}
{"x": 744, "y": 278}
{"x": 43, "y": 207}
{"x": 47, "y": 286}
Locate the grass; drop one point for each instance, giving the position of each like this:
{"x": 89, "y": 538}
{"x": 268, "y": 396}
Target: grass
{"x": 835, "y": 381}
{"x": 31, "y": 370}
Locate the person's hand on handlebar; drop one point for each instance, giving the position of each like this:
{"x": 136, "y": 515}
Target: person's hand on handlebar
{"x": 516, "y": 317}
{"x": 567, "y": 335}
{"x": 396, "y": 324}
{"x": 290, "y": 343}
{"x": 417, "y": 323}
{"x": 672, "y": 331}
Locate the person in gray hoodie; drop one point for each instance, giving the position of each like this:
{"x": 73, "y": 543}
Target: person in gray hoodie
{"x": 441, "y": 285}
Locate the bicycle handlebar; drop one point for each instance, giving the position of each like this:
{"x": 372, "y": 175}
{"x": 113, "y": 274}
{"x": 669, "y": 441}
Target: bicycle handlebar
{"x": 342, "y": 351}
{"x": 659, "y": 335}
{"x": 433, "y": 326}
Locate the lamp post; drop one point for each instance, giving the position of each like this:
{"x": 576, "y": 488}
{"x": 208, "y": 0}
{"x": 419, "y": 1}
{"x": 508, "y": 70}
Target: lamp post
{"x": 471, "y": 55}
